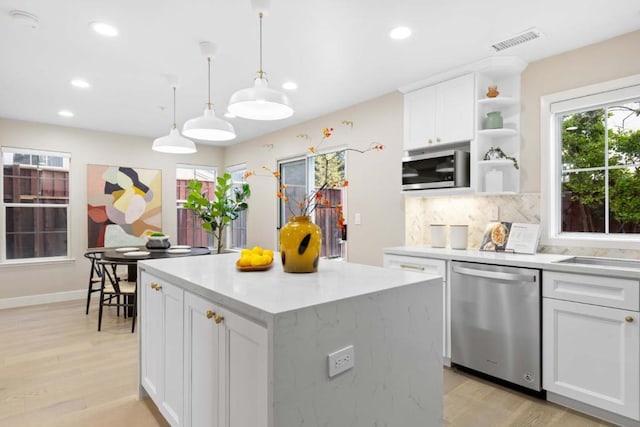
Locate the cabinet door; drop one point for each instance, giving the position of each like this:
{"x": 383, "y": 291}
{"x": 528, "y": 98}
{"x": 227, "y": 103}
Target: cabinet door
{"x": 172, "y": 353}
{"x": 202, "y": 367}
{"x": 151, "y": 325}
{"x": 430, "y": 266}
{"x": 245, "y": 357}
{"x": 455, "y": 110}
{"x": 420, "y": 118}
{"x": 591, "y": 354}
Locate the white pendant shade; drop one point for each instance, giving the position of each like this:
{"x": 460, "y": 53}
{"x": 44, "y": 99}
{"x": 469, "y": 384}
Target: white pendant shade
{"x": 174, "y": 143}
{"x": 260, "y": 102}
{"x": 208, "y": 127}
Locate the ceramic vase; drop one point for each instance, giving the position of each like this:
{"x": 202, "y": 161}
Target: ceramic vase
{"x": 493, "y": 121}
{"x": 300, "y": 243}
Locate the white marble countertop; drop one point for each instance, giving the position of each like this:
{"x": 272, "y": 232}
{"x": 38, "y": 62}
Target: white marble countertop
{"x": 541, "y": 261}
{"x": 273, "y": 291}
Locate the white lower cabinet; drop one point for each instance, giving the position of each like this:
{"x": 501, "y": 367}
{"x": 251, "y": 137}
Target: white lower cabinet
{"x": 201, "y": 364}
{"x": 161, "y": 359}
{"x": 591, "y": 353}
{"x": 430, "y": 266}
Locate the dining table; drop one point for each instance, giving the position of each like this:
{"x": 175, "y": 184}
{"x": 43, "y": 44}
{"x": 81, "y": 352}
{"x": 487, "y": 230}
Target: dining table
{"x": 134, "y": 254}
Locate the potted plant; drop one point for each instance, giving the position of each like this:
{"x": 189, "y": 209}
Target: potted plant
{"x": 218, "y": 213}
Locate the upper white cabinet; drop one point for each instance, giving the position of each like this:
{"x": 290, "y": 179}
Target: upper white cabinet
{"x": 453, "y": 111}
{"x": 439, "y": 114}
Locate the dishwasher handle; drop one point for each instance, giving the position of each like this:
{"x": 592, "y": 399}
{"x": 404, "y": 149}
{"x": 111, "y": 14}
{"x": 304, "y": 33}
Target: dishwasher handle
{"x": 509, "y": 277}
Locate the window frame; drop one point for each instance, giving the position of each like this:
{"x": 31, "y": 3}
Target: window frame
{"x": 309, "y": 180}
{"x": 3, "y": 208}
{"x": 552, "y": 106}
{"x": 211, "y": 240}
{"x": 230, "y": 244}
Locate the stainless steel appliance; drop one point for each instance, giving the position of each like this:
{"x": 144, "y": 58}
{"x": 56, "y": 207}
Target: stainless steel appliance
{"x": 495, "y": 321}
{"x": 442, "y": 169}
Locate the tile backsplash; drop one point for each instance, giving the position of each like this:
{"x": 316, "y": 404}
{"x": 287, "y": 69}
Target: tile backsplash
{"x": 477, "y": 211}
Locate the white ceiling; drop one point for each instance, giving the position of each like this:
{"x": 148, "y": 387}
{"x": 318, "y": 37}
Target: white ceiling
{"x": 337, "y": 51}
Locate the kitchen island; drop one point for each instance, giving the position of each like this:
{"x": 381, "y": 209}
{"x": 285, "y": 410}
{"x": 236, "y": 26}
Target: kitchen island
{"x": 220, "y": 347}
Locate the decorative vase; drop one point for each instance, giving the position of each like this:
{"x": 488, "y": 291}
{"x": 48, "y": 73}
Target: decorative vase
{"x": 493, "y": 121}
{"x": 300, "y": 243}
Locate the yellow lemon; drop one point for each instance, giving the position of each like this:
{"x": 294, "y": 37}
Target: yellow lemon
{"x": 269, "y": 254}
{"x": 245, "y": 261}
{"x": 245, "y": 252}
{"x": 257, "y": 250}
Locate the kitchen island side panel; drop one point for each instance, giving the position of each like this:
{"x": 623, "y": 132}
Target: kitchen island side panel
{"x": 397, "y": 377}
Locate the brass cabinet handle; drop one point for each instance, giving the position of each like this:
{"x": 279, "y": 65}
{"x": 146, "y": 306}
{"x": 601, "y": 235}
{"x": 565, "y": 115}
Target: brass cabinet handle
{"x": 218, "y": 318}
{"x": 155, "y": 286}
{"x": 629, "y": 319}
{"x": 412, "y": 267}
{"x": 210, "y": 314}
{"x": 437, "y": 139}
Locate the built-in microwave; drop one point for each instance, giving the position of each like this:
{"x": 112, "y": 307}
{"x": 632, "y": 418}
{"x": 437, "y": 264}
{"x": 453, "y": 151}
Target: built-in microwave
{"x": 442, "y": 169}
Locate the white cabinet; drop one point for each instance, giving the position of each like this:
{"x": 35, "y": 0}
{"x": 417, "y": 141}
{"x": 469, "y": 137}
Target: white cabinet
{"x": 439, "y": 114}
{"x": 499, "y": 175}
{"x": 201, "y": 364}
{"x": 591, "y": 352}
{"x": 161, "y": 307}
{"x": 430, "y": 266}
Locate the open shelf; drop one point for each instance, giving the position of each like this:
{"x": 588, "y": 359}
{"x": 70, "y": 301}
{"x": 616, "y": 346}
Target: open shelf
{"x": 498, "y": 133}
{"x": 499, "y": 101}
{"x": 496, "y": 163}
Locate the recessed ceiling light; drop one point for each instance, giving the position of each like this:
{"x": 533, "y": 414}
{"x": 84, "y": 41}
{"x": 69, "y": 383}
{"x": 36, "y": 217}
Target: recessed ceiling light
{"x": 104, "y": 29}
{"x": 400, "y": 33}
{"x": 65, "y": 113}
{"x": 290, "y": 85}
{"x": 82, "y": 84}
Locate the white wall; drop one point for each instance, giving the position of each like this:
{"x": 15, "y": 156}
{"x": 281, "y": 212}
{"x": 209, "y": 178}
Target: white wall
{"x": 88, "y": 147}
{"x": 374, "y": 177}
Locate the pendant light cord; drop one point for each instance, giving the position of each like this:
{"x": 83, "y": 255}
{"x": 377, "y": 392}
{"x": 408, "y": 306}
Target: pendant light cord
{"x": 260, "y": 72}
{"x": 174, "y": 107}
{"x": 209, "y": 80}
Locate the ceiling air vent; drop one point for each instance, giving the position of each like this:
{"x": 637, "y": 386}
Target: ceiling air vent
{"x": 523, "y": 37}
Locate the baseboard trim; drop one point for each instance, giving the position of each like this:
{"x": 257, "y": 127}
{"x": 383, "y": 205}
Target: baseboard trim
{"x": 591, "y": 410}
{"x": 41, "y": 299}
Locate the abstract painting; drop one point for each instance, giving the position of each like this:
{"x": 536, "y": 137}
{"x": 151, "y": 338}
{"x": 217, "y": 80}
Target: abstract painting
{"x": 123, "y": 205}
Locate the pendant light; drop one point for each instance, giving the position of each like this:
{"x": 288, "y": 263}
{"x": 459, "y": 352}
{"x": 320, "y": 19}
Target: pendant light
{"x": 209, "y": 127}
{"x": 260, "y": 102}
{"x": 174, "y": 142}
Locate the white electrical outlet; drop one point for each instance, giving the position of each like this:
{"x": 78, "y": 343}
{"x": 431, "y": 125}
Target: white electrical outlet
{"x": 357, "y": 219}
{"x": 341, "y": 360}
{"x": 494, "y": 212}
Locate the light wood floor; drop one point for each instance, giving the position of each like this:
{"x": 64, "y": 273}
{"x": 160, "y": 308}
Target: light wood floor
{"x": 57, "y": 370}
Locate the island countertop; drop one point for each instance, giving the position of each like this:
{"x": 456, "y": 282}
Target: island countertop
{"x": 273, "y": 291}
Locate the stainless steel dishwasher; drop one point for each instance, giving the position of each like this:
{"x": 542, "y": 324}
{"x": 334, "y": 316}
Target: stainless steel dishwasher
{"x": 495, "y": 321}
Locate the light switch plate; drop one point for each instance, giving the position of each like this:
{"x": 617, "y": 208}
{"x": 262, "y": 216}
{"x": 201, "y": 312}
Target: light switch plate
{"x": 341, "y": 360}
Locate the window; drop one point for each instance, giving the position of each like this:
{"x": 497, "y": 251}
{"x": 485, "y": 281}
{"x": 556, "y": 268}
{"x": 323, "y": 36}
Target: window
{"x": 237, "y": 236}
{"x": 190, "y": 231}
{"x": 595, "y": 176}
{"x": 302, "y": 176}
{"x": 35, "y": 204}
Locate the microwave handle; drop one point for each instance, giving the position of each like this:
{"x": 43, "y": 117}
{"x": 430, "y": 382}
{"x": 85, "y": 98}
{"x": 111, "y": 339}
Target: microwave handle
{"x": 428, "y": 156}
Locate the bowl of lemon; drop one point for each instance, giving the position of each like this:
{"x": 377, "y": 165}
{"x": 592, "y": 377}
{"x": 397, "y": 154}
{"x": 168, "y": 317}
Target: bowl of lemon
{"x": 255, "y": 259}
